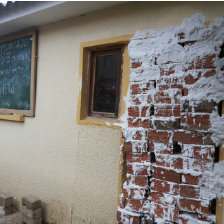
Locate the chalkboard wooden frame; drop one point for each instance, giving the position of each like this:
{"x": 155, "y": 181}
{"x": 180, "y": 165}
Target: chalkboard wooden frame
{"x": 31, "y": 111}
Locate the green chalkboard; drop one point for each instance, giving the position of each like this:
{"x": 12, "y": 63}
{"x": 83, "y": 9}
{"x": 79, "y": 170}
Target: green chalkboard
{"x": 17, "y": 74}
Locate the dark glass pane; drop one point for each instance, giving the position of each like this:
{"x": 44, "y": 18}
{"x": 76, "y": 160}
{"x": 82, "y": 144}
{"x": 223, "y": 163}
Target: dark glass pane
{"x": 106, "y": 81}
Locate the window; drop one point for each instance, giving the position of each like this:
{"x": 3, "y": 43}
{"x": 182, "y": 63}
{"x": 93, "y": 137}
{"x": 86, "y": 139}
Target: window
{"x": 105, "y": 80}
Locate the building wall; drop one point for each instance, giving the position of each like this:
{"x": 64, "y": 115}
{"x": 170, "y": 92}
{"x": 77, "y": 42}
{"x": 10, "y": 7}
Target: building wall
{"x": 74, "y": 169}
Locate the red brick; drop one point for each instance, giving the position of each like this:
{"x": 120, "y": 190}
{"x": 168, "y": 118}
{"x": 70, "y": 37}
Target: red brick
{"x": 141, "y": 181}
{"x": 138, "y": 169}
{"x": 138, "y": 205}
{"x": 190, "y": 179}
{"x": 145, "y": 123}
{"x": 186, "y": 138}
{"x": 189, "y": 80}
{"x": 167, "y": 212}
{"x": 177, "y": 163}
{"x": 133, "y": 111}
{"x": 185, "y": 91}
{"x": 134, "y": 122}
{"x": 188, "y": 43}
{"x": 135, "y": 193}
{"x": 145, "y": 111}
{"x": 206, "y": 62}
{"x": 164, "y": 149}
{"x": 136, "y": 64}
{"x": 210, "y": 73}
{"x": 162, "y": 97}
{"x": 167, "y": 72}
{"x": 189, "y": 191}
{"x": 141, "y": 89}
{"x": 123, "y": 217}
{"x": 160, "y": 197}
{"x": 164, "y": 186}
{"x": 166, "y": 174}
{"x": 196, "y": 122}
{"x": 193, "y": 206}
{"x": 127, "y": 147}
{"x": 181, "y": 35}
{"x": 138, "y": 158}
{"x": 158, "y": 136}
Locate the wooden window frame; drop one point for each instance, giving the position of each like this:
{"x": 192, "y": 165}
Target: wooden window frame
{"x": 92, "y": 68}
{"x": 83, "y": 118}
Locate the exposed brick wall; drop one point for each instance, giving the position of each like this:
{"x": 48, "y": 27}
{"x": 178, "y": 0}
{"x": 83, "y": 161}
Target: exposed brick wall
{"x": 167, "y": 141}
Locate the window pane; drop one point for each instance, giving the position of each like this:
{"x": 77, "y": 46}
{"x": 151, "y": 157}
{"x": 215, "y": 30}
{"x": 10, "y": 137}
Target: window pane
{"x": 106, "y": 83}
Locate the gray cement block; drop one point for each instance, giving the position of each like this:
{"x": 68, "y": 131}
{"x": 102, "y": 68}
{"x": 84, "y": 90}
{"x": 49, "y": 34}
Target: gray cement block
{"x": 5, "y": 200}
{"x": 27, "y": 220}
{"x": 31, "y": 202}
{"x": 6, "y": 210}
{"x": 32, "y": 214}
{"x": 15, "y": 218}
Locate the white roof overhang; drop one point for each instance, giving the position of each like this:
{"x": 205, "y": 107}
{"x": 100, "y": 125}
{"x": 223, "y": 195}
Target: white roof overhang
{"x": 24, "y": 15}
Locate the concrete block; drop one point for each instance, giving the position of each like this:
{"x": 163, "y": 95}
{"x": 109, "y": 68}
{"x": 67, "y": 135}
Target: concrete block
{"x": 15, "y": 218}
{"x": 5, "y": 200}
{"x": 6, "y": 210}
{"x": 32, "y": 214}
{"x": 27, "y": 220}
{"x": 31, "y": 202}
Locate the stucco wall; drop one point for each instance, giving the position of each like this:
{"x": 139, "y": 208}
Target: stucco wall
{"x": 74, "y": 169}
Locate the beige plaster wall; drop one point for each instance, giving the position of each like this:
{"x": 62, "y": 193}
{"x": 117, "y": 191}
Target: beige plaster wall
{"x": 74, "y": 169}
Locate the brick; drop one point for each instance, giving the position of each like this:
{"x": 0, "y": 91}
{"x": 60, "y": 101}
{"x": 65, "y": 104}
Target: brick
{"x": 5, "y": 200}
{"x": 194, "y": 206}
{"x": 162, "y": 97}
{"x": 199, "y": 63}
{"x": 27, "y": 220}
{"x": 198, "y": 165}
{"x": 145, "y": 112}
{"x": 136, "y": 64}
{"x": 124, "y": 216}
{"x": 185, "y": 91}
{"x": 164, "y": 186}
{"x": 210, "y": 73}
{"x": 134, "y": 122}
{"x": 166, "y": 174}
{"x": 138, "y": 205}
{"x": 196, "y": 122}
{"x": 32, "y": 214}
{"x": 137, "y": 157}
{"x": 163, "y": 148}
{"x": 133, "y": 111}
{"x": 159, "y": 136}
{"x": 138, "y": 169}
{"x": 190, "y": 179}
{"x": 141, "y": 181}
{"x": 186, "y": 138}
{"x": 167, "y": 212}
{"x": 6, "y": 210}
{"x": 141, "y": 88}
{"x": 166, "y": 124}
{"x": 200, "y": 152}
{"x": 190, "y": 80}
{"x": 189, "y": 191}
{"x": 181, "y": 35}
{"x": 202, "y": 107}
{"x": 135, "y": 193}
{"x": 167, "y": 71}
{"x": 167, "y": 111}
{"x": 163, "y": 198}
{"x": 127, "y": 147}
{"x": 31, "y": 202}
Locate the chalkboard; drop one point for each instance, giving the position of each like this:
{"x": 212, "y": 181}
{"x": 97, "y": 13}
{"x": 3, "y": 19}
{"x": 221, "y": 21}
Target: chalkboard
{"x": 18, "y": 73}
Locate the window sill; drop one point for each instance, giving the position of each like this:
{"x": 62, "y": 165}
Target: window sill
{"x": 103, "y": 122}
